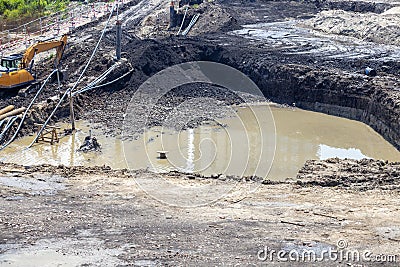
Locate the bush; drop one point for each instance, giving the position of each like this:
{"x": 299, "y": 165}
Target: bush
{"x": 16, "y": 9}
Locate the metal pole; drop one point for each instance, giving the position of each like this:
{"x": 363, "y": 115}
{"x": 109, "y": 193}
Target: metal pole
{"x": 172, "y": 15}
{"x": 58, "y": 78}
{"x": 72, "y": 152}
{"x": 71, "y": 103}
{"x": 119, "y": 36}
{"x": 58, "y": 25}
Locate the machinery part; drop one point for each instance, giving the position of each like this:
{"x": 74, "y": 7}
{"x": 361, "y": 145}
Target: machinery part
{"x": 15, "y": 79}
{"x": 33, "y": 87}
{"x": 191, "y": 24}
{"x": 118, "y": 43}
{"x": 9, "y": 123}
{"x": 42, "y": 47}
{"x": 15, "y": 70}
{"x": 62, "y": 75}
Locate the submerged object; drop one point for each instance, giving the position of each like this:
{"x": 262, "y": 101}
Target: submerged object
{"x": 90, "y": 144}
{"x": 370, "y": 72}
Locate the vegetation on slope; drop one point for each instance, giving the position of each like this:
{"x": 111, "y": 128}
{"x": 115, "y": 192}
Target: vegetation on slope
{"x": 19, "y": 9}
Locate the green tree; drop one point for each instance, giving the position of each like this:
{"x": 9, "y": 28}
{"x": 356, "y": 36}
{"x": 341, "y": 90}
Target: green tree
{"x": 13, "y": 9}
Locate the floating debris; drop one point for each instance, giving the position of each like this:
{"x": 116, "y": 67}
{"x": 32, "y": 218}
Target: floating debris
{"x": 90, "y": 144}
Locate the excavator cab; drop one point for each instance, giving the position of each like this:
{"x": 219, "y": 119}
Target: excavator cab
{"x": 11, "y": 76}
{"x": 10, "y": 63}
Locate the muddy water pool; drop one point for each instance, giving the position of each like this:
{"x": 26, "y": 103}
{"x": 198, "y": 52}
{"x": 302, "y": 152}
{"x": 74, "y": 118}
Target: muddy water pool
{"x": 249, "y": 144}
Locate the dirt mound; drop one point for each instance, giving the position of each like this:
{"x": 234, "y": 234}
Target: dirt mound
{"x": 365, "y": 174}
{"x": 213, "y": 18}
{"x": 392, "y": 11}
{"x": 380, "y": 28}
{"x": 254, "y": 11}
{"x": 355, "y": 6}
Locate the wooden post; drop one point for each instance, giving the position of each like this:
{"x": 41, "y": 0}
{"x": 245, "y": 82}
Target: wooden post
{"x": 54, "y": 136}
{"x": 71, "y": 110}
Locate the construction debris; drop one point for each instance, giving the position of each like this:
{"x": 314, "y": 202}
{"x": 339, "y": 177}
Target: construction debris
{"x": 12, "y": 113}
{"x": 90, "y": 144}
{"x": 6, "y": 109}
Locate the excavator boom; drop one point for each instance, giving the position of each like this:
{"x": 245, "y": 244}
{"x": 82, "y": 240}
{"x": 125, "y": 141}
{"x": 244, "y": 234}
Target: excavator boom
{"x": 42, "y": 47}
{"x": 15, "y": 71}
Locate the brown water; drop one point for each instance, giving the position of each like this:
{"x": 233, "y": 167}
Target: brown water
{"x": 243, "y": 146}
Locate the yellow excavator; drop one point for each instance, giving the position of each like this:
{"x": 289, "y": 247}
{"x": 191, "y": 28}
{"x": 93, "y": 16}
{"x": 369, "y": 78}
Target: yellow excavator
{"x": 15, "y": 70}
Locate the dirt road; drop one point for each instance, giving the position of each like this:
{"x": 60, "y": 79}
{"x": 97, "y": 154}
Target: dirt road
{"x": 120, "y": 225}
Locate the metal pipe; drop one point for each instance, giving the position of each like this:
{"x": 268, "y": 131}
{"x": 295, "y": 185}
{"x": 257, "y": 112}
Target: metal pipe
{"x": 119, "y": 36}
{"x": 9, "y": 124}
{"x": 183, "y": 20}
{"x": 71, "y": 110}
{"x": 6, "y": 109}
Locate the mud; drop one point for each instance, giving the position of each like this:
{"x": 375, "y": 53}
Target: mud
{"x": 292, "y": 64}
{"x": 378, "y": 28}
{"x": 363, "y": 174}
{"x": 105, "y": 210}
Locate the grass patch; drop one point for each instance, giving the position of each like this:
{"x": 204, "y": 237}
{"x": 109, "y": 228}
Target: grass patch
{"x": 18, "y": 9}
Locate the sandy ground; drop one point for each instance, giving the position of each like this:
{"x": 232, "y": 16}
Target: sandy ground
{"x": 380, "y": 28}
{"x": 131, "y": 228}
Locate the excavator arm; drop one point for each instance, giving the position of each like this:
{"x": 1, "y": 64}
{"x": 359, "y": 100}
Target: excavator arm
{"x": 44, "y": 46}
{"x": 14, "y": 76}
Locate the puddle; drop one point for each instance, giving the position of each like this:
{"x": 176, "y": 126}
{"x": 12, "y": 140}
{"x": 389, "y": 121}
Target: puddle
{"x": 45, "y": 185}
{"x": 301, "y": 135}
{"x": 65, "y": 152}
{"x": 211, "y": 148}
{"x": 59, "y": 252}
{"x": 146, "y": 263}
{"x": 311, "y": 249}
